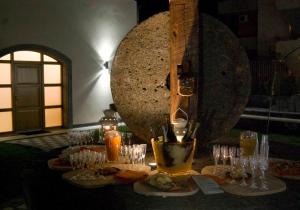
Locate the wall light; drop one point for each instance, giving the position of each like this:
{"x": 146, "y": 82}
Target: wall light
{"x": 106, "y": 50}
{"x": 106, "y": 65}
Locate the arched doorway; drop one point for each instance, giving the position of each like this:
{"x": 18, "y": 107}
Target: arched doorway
{"x": 34, "y": 89}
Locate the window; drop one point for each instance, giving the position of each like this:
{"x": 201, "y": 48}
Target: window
{"x": 5, "y": 94}
{"x": 51, "y": 91}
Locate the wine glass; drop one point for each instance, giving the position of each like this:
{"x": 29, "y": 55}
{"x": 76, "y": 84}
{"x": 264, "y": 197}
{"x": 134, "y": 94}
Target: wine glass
{"x": 253, "y": 160}
{"x": 235, "y": 161}
{"x": 72, "y": 161}
{"x": 232, "y": 154}
{"x": 244, "y": 161}
{"x": 224, "y": 154}
{"x": 264, "y": 161}
{"x": 143, "y": 153}
{"x": 248, "y": 143}
{"x": 216, "y": 155}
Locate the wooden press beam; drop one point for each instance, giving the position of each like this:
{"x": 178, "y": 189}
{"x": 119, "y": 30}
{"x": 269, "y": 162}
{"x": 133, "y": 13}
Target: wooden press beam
{"x": 184, "y": 47}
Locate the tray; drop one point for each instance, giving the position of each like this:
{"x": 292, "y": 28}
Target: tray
{"x": 275, "y": 185}
{"x": 187, "y": 187}
{"x": 89, "y": 184}
{"x": 100, "y": 182}
{"x": 56, "y": 164}
{"x": 284, "y": 163}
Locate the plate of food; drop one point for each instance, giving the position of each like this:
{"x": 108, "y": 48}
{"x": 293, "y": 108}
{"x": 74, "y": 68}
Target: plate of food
{"x": 102, "y": 177}
{"x": 159, "y": 184}
{"x": 289, "y": 169}
{"x": 86, "y": 178}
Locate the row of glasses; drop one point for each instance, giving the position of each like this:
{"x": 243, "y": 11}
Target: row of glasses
{"x": 87, "y": 159}
{"x": 224, "y": 153}
{"x": 78, "y": 138}
{"x": 257, "y": 156}
{"x": 133, "y": 154}
{"x": 249, "y": 154}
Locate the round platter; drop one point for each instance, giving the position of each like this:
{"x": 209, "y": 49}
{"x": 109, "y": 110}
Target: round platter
{"x": 280, "y": 167}
{"x": 95, "y": 183}
{"x": 141, "y": 67}
{"x": 275, "y": 185}
{"x": 57, "y": 164}
{"x": 187, "y": 186}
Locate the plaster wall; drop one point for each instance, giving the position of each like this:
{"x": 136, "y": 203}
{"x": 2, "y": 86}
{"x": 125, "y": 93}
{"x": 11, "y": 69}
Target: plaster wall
{"x": 86, "y": 31}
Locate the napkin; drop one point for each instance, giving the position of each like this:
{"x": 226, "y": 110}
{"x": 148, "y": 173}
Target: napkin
{"x": 207, "y": 185}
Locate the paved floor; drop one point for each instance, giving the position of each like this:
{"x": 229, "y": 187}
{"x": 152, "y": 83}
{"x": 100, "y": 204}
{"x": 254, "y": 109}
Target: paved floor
{"x": 45, "y": 143}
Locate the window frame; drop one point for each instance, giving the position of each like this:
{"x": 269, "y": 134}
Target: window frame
{"x": 12, "y": 63}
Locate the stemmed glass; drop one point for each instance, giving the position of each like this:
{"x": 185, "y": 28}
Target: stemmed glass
{"x": 232, "y": 154}
{"x": 264, "y": 160}
{"x": 224, "y": 154}
{"x": 216, "y": 154}
{"x": 244, "y": 161}
{"x": 143, "y": 149}
{"x": 248, "y": 143}
{"x": 253, "y": 160}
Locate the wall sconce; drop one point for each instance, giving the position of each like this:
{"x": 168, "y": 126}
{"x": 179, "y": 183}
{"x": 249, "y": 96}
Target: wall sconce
{"x": 106, "y": 64}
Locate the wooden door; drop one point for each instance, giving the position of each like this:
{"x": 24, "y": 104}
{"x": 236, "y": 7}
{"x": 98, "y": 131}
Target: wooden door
{"x": 28, "y": 104}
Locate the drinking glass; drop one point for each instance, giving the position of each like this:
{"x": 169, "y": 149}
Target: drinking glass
{"x": 224, "y": 154}
{"x": 244, "y": 161}
{"x": 72, "y": 161}
{"x": 235, "y": 161}
{"x": 112, "y": 141}
{"x": 143, "y": 149}
{"x": 76, "y": 160}
{"x": 129, "y": 138}
{"x": 253, "y": 160}
{"x": 216, "y": 155}
{"x": 232, "y": 154}
{"x": 264, "y": 146}
{"x": 264, "y": 161}
{"x": 248, "y": 143}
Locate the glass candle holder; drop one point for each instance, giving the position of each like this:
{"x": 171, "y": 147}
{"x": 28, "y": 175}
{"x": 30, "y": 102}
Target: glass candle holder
{"x": 112, "y": 141}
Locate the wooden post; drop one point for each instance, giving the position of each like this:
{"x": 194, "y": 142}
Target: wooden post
{"x": 184, "y": 48}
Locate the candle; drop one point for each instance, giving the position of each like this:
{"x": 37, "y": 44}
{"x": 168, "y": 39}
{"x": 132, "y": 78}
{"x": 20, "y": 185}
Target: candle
{"x": 179, "y": 128}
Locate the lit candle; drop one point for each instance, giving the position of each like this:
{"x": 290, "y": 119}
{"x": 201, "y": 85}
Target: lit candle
{"x": 106, "y": 127}
{"x": 179, "y": 125}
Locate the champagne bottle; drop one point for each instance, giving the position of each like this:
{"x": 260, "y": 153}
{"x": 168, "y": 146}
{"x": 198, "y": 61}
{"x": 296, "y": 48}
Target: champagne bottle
{"x": 191, "y": 132}
{"x": 170, "y": 135}
{"x": 154, "y": 134}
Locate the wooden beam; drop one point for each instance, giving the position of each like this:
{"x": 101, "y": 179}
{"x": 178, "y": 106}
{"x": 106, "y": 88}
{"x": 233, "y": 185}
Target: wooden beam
{"x": 184, "y": 50}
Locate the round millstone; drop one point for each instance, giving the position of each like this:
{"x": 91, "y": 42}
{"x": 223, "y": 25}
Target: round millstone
{"x": 141, "y": 66}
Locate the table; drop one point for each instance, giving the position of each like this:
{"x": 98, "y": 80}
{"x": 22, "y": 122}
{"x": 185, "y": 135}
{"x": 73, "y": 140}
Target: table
{"x": 44, "y": 189}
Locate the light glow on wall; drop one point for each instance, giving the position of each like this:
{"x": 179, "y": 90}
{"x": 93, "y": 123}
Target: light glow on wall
{"x": 105, "y": 79}
{"x": 106, "y": 51}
